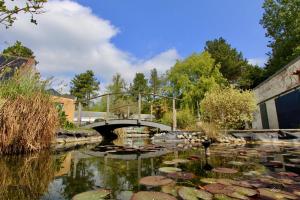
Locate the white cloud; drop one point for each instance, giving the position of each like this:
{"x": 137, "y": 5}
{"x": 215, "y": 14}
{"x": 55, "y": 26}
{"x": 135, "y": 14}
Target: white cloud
{"x": 257, "y": 61}
{"x": 70, "y": 39}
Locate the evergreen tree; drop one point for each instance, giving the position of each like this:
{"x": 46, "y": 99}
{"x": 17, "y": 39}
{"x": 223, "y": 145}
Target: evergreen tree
{"x": 154, "y": 81}
{"x": 84, "y": 86}
{"x": 18, "y": 50}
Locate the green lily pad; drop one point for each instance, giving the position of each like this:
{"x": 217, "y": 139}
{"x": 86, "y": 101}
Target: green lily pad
{"x": 242, "y": 190}
{"x": 169, "y": 162}
{"x": 208, "y": 180}
{"x": 276, "y": 194}
{"x": 92, "y": 195}
{"x": 222, "y": 197}
{"x": 145, "y": 195}
{"x": 295, "y": 160}
{"x": 236, "y": 163}
{"x": 189, "y": 193}
{"x": 170, "y": 189}
{"x": 169, "y": 169}
{"x": 179, "y": 160}
{"x": 155, "y": 181}
{"x": 225, "y": 170}
{"x": 230, "y": 191}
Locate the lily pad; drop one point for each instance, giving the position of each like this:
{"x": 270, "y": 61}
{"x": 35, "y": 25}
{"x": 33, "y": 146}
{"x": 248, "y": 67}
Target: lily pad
{"x": 236, "y": 163}
{"x": 225, "y": 170}
{"x": 288, "y": 174}
{"x": 222, "y": 197}
{"x": 295, "y": 160}
{"x": 276, "y": 194}
{"x": 169, "y": 162}
{"x": 92, "y": 195}
{"x": 182, "y": 175}
{"x": 145, "y": 195}
{"x": 169, "y": 169}
{"x": 208, "y": 180}
{"x": 125, "y": 195}
{"x": 170, "y": 189}
{"x": 189, "y": 193}
{"x": 242, "y": 190}
{"x": 155, "y": 181}
{"x": 230, "y": 191}
{"x": 179, "y": 160}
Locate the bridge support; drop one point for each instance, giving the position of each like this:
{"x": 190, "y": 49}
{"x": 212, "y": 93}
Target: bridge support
{"x": 107, "y": 108}
{"x": 174, "y": 124}
{"x": 79, "y": 113}
{"x": 140, "y": 106}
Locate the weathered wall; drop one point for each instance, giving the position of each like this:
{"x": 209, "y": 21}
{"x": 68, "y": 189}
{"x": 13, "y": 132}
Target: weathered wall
{"x": 280, "y": 82}
{"x": 68, "y": 105}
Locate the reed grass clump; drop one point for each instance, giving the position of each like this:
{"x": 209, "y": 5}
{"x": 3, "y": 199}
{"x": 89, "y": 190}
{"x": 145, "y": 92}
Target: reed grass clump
{"x": 28, "y": 117}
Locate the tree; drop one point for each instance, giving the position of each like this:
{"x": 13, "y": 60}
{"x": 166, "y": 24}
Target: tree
{"x": 84, "y": 86}
{"x": 251, "y": 77}
{"x": 139, "y": 84}
{"x": 228, "y": 107}
{"x": 9, "y": 10}
{"x": 18, "y": 50}
{"x": 191, "y": 78}
{"x": 154, "y": 81}
{"x": 282, "y": 24}
{"x": 231, "y": 61}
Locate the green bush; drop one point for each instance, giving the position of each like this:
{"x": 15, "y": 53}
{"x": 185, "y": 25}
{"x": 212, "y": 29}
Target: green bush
{"x": 185, "y": 119}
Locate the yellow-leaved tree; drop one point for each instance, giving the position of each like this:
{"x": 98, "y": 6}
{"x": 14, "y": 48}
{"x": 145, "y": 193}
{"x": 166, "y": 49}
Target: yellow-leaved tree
{"x": 228, "y": 108}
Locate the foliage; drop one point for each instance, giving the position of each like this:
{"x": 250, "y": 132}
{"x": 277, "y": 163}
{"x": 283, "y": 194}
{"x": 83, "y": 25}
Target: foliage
{"x": 184, "y": 118}
{"x": 154, "y": 81}
{"x": 211, "y": 130}
{"x": 139, "y": 84}
{"x": 63, "y": 121}
{"x": 228, "y": 107}
{"x": 84, "y": 86}
{"x": 282, "y": 24}
{"x": 18, "y": 50}
{"x": 231, "y": 61}
{"x": 251, "y": 77}
{"x": 191, "y": 78}
{"x": 26, "y": 102}
{"x": 8, "y": 12}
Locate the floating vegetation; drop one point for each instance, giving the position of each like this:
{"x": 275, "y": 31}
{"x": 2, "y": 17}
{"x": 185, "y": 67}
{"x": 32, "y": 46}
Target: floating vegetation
{"x": 145, "y": 195}
{"x": 169, "y": 169}
{"x": 225, "y": 170}
{"x": 155, "y": 181}
{"x": 189, "y": 193}
{"x": 99, "y": 194}
{"x": 182, "y": 175}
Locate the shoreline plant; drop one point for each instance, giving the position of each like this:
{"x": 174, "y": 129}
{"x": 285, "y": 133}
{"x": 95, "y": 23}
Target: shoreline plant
{"x": 28, "y": 117}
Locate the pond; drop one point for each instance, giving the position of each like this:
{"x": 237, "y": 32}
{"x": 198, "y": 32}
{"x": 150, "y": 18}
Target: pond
{"x": 241, "y": 171}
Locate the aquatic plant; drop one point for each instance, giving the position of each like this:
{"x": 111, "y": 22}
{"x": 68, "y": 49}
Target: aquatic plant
{"x": 28, "y": 117}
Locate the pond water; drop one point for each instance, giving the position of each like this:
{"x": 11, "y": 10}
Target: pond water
{"x": 60, "y": 176}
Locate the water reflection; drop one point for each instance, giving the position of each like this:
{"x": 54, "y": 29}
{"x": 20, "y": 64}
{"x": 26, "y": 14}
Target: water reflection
{"x": 27, "y": 176}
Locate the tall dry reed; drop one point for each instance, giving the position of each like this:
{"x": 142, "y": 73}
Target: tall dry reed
{"x": 28, "y": 117}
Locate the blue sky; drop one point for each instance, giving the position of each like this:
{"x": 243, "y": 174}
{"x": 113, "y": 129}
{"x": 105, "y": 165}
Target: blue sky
{"x": 150, "y": 26}
{"x": 129, "y": 36}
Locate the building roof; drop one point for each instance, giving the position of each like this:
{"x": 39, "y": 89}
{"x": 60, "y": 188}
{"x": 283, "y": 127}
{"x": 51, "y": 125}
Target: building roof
{"x": 13, "y": 63}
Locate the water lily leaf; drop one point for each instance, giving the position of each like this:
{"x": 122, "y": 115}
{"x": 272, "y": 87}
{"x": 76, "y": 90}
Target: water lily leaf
{"x": 169, "y": 162}
{"x": 92, "y": 195}
{"x": 145, "y": 195}
{"x": 170, "y": 189}
{"x": 236, "y": 163}
{"x": 230, "y": 191}
{"x": 208, "y": 180}
{"x": 222, "y": 197}
{"x": 179, "y": 160}
{"x": 189, "y": 193}
{"x": 295, "y": 160}
{"x": 242, "y": 190}
{"x": 276, "y": 194}
{"x": 288, "y": 174}
{"x": 155, "y": 181}
{"x": 169, "y": 169}
{"x": 182, "y": 175}
{"x": 125, "y": 195}
{"x": 225, "y": 170}
{"x": 252, "y": 173}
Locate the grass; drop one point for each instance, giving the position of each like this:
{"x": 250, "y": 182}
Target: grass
{"x": 28, "y": 117}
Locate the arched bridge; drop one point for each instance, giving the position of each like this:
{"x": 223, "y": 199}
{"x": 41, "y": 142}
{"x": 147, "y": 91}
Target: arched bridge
{"x": 105, "y": 127}
{"x": 131, "y": 119}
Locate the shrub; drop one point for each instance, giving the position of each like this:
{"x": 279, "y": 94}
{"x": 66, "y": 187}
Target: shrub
{"x": 228, "y": 107}
{"x": 28, "y": 117}
{"x": 211, "y": 130}
{"x": 185, "y": 119}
